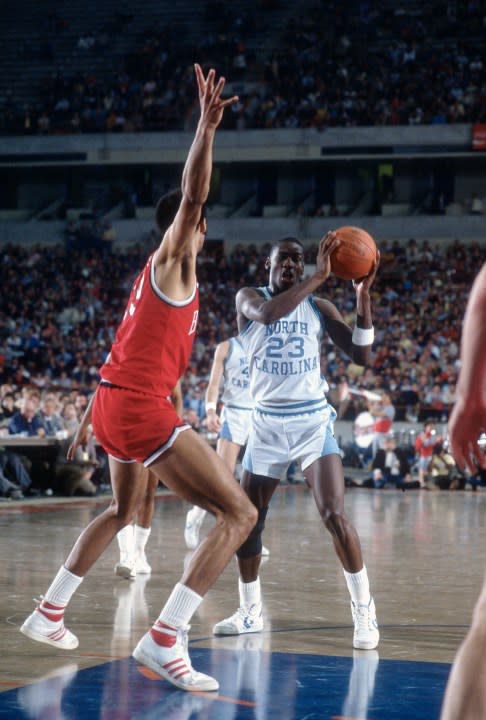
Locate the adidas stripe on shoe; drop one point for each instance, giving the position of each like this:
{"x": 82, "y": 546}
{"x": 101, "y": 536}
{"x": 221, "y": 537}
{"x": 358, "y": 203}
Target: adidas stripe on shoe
{"x": 38, "y": 626}
{"x": 173, "y": 663}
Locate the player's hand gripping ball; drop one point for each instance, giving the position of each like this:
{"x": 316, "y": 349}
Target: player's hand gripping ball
{"x": 354, "y": 257}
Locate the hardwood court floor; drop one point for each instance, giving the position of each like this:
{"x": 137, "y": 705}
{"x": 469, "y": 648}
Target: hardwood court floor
{"x": 424, "y": 554}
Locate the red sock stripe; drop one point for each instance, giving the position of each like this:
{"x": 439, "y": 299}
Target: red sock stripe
{"x": 46, "y": 605}
{"x": 53, "y": 616}
{"x": 163, "y": 635}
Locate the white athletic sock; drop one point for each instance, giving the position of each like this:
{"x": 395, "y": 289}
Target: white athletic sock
{"x": 140, "y": 537}
{"x": 358, "y": 586}
{"x": 250, "y": 593}
{"x": 197, "y": 513}
{"x": 63, "y": 587}
{"x": 180, "y": 607}
{"x": 125, "y": 540}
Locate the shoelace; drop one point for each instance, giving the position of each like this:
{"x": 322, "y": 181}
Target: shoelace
{"x": 182, "y": 641}
{"x": 251, "y": 610}
{"x": 362, "y": 615}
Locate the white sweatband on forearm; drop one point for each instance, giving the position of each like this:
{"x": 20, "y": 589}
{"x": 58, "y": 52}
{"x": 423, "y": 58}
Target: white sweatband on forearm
{"x": 363, "y": 336}
{"x": 210, "y": 406}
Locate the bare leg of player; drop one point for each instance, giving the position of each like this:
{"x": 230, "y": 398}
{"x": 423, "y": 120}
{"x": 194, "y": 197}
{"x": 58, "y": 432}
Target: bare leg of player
{"x": 465, "y": 697}
{"x": 195, "y": 473}
{"x": 249, "y": 616}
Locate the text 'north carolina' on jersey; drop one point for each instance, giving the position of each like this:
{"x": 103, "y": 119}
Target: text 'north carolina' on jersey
{"x": 284, "y": 358}
{"x": 236, "y": 390}
{"x": 154, "y": 340}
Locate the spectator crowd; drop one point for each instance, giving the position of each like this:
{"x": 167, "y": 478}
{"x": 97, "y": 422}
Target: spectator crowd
{"x": 61, "y": 305}
{"x": 359, "y": 63}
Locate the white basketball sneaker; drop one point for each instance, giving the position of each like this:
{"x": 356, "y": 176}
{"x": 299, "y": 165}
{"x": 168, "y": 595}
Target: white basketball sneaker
{"x": 366, "y": 634}
{"x": 192, "y": 527}
{"x": 125, "y": 567}
{"x": 173, "y": 663}
{"x": 38, "y": 627}
{"x": 141, "y": 566}
{"x": 244, "y": 620}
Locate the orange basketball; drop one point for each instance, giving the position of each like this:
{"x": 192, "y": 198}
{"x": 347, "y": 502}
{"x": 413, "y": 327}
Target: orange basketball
{"x": 355, "y": 256}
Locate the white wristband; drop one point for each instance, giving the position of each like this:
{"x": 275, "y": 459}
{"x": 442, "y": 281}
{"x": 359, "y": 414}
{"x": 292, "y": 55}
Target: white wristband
{"x": 363, "y": 336}
{"x": 210, "y": 406}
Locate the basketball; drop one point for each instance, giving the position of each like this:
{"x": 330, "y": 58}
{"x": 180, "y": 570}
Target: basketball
{"x": 355, "y": 256}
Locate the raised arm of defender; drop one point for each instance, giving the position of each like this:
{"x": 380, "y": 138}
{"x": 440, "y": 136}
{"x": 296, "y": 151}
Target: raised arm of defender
{"x": 176, "y": 258}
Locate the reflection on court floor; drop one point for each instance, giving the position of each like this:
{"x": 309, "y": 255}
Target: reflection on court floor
{"x": 423, "y": 555}
{"x": 254, "y": 685}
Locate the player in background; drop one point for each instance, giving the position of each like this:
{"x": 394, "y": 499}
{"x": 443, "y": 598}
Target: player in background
{"x": 465, "y": 697}
{"x": 281, "y": 327}
{"x": 136, "y": 423}
{"x": 229, "y": 368}
{"x": 424, "y": 449}
{"x": 133, "y": 538}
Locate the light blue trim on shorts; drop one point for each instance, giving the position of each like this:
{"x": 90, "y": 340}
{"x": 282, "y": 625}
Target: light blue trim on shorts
{"x": 303, "y": 408}
{"x": 225, "y": 432}
{"x": 330, "y": 446}
{"x": 246, "y": 462}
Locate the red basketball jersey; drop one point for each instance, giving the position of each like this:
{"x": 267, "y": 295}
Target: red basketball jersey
{"x": 154, "y": 340}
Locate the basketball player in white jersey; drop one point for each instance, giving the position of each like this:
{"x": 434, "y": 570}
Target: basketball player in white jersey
{"x": 230, "y": 367}
{"x": 281, "y": 327}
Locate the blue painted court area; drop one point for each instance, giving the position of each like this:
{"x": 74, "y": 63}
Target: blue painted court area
{"x": 255, "y": 685}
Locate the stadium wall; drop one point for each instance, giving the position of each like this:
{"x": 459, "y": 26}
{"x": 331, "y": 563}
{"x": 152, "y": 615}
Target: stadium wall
{"x": 239, "y": 146}
{"x": 436, "y": 229}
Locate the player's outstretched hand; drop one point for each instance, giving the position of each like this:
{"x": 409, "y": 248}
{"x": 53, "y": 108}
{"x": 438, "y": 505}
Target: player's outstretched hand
{"x": 212, "y": 105}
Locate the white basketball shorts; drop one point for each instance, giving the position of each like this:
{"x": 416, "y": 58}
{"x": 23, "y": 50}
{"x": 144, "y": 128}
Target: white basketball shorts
{"x": 236, "y": 424}
{"x": 277, "y": 440}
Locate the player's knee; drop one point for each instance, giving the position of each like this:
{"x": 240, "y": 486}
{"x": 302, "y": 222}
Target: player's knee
{"x": 253, "y": 543}
{"x": 247, "y": 518}
{"x": 335, "y": 522}
{"x": 123, "y": 514}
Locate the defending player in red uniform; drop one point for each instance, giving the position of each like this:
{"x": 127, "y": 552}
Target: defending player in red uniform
{"x": 135, "y": 422}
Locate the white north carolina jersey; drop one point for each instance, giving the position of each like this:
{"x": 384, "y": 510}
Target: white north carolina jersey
{"x": 284, "y": 359}
{"x": 236, "y": 378}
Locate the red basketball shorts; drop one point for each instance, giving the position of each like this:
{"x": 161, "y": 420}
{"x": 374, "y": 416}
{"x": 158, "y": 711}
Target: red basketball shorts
{"x": 132, "y": 426}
